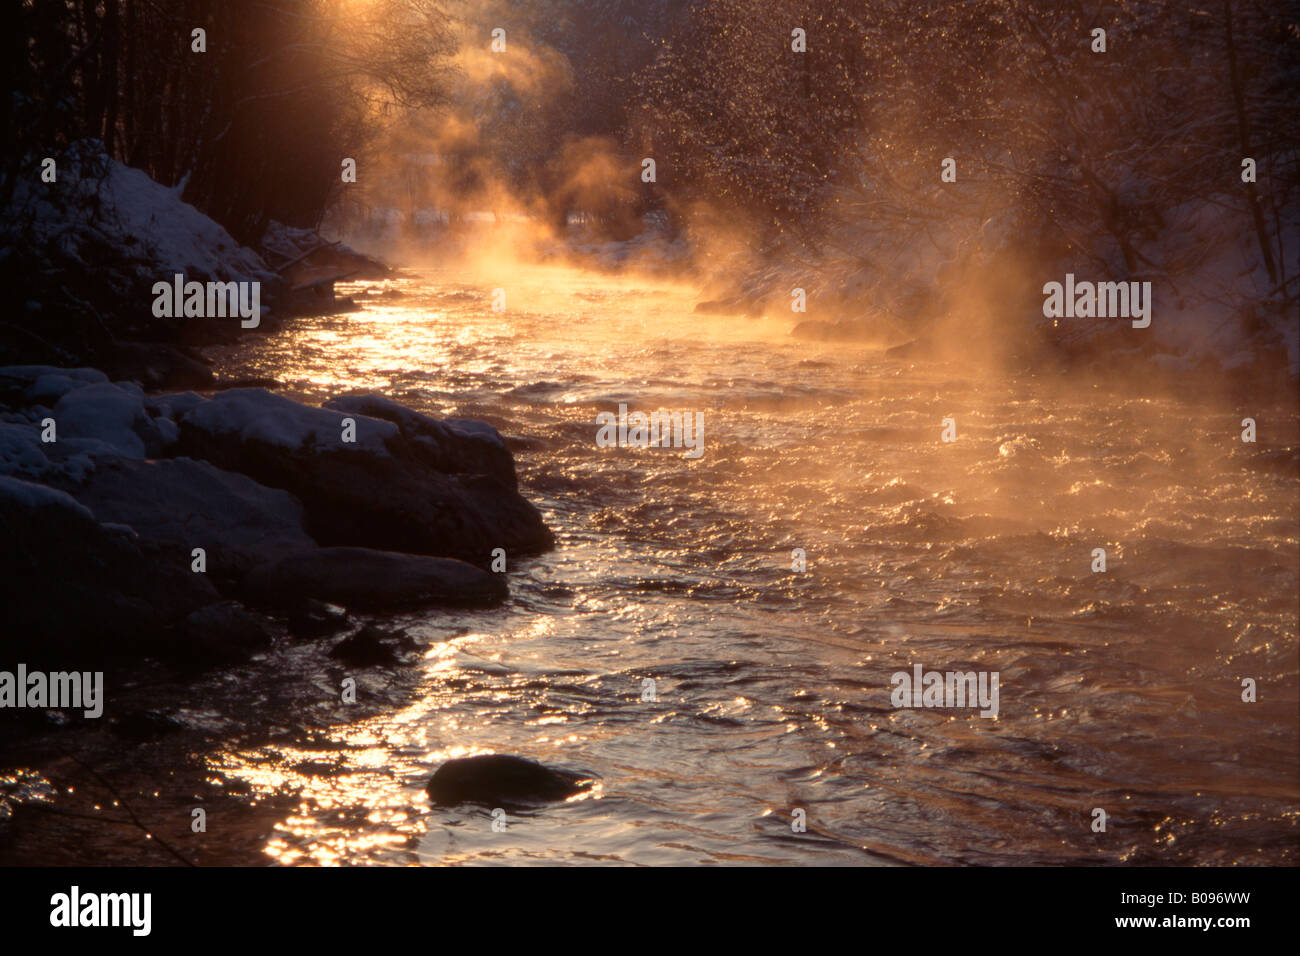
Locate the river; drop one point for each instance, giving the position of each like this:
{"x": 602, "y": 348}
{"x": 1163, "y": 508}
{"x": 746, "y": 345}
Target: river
{"x": 1119, "y": 690}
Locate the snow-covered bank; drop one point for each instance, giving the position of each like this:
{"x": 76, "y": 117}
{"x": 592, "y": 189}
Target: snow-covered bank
{"x": 97, "y": 201}
{"x": 196, "y": 530}
{"x": 88, "y": 248}
{"x": 143, "y": 522}
{"x": 85, "y": 252}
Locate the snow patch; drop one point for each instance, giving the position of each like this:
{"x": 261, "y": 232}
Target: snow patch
{"x": 132, "y": 212}
{"x": 254, "y": 414}
{"x": 173, "y": 406}
{"x": 32, "y": 497}
{"x": 21, "y": 451}
{"x": 109, "y": 414}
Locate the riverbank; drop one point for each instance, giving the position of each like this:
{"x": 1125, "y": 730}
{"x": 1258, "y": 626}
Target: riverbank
{"x": 130, "y": 553}
{"x": 81, "y": 260}
{"x": 155, "y": 537}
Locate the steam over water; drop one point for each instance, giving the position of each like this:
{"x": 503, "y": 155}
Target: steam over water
{"x": 1119, "y": 690}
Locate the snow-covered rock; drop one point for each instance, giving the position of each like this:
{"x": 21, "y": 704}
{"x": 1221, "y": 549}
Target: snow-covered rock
{"x": 33, "y": 498}
{"x": 46, "y": 384}
{"x": 77, "y": 447}
{"x": 102, "y": 522}
{"x": 174, "y": 405}
{"x": 256, "y": 415}
{"x": 21, "y": 452}
{"x": 112, "y": 414}
{"x": 451, "y": 445}
{"x": 77, "y": 593}
{"x": 425, "y": 488}
{"x": 180, "y": 504}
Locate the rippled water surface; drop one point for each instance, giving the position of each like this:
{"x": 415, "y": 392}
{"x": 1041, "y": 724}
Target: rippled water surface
{"x": 1119, "y": 690}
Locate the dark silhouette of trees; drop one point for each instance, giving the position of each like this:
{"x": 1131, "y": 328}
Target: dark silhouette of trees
{"x": 1107, "y": 156}
{"x": 253, "y": 128}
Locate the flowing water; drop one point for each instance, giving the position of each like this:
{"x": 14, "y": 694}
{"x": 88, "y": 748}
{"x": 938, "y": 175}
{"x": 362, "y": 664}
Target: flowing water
{"x": 1120, "y": 690}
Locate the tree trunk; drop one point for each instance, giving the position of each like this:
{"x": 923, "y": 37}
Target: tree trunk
{"x": 1243, "y": 132}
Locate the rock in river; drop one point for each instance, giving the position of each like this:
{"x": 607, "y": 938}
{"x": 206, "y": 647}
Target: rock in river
{"x": 500, "y": 780}
{"x": 373, "y": 580}
{"x": 410, "y": 484}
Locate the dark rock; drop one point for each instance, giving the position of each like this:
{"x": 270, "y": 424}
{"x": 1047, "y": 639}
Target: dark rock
{"x": 366, "y": 648}
{"x": 309, "y": 619}
{"x": 154, "y": 365}
{"x": 76, "y": 592}
{"x": 373, "y": 580}
{"x": 917, "y": 348}
{"x": 221, "y": 634}
{"x": 386, "y": 491}
{"x": 179, "y": 504}
{"x": 248, "y": 381}
{"x": 500, "y": 780}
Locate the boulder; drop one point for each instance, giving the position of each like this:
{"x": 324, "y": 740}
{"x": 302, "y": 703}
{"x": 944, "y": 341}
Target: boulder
{"x": 366, "y": 648}
{"x": 426, "y": 490}
{"x": 173, "y": 405}
{"x": 93, "y": 419}
{"x": 361, "y": 578}
{"x": 243, "y": 417}
{"x": 76, "y": 592}
{"x": 179, "y": 504}
{"x": 500, "y": 780}
{"x": 220, "y": 634}
{"x": 308, "y": 619}
{"x": 112, "y": 414}
{"x": 22, "y": 453}
{"x": 43, "y": 384}
{"x": 453, "y": 445}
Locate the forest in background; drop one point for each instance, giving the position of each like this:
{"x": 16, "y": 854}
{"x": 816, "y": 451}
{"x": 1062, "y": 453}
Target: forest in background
{"x": 770, "y": 162}
{"x": 252, "y": 128}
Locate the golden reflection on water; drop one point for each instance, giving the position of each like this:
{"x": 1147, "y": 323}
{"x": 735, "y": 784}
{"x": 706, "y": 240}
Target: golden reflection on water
{"x": 362, "y": 797}
{"x": 563, "y": 682}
